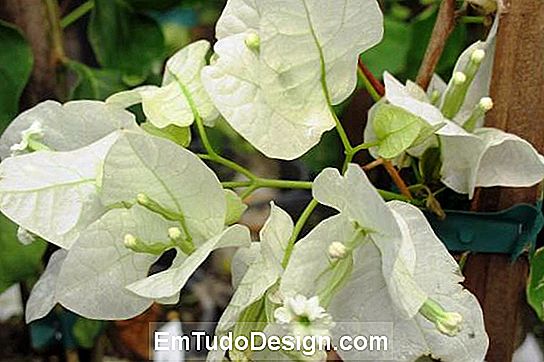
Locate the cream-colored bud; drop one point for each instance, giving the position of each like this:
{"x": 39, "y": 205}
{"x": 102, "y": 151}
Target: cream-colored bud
{"x": 337, "y": 250}
{"x": 130, "y": 241}
{"x": 477, "y": 56}
{"x": 175, "y": 233}
{"x": 459, "y": 78}
{"x": 142, "y": 199}
{"x": 486, "y": 104}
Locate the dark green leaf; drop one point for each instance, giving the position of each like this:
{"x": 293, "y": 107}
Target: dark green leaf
{"x": 124, "y": 39}
{"x": 18, "y": 262}
{"x": 421, "y": 33}
{"x": 179, "y": 135}
{"x": 392, "y": 53}
{"x": 535, "y": 287}
{"x": 95, "y": 83}
{"x": 429, "y": 165}
{"x": 160, "y": 5}
{"x": 86, "y": 331}
{"x": 15, "y": 67}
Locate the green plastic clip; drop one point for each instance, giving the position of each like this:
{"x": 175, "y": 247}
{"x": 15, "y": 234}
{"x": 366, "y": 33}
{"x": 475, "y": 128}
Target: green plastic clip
{"x": 511, "y": 231}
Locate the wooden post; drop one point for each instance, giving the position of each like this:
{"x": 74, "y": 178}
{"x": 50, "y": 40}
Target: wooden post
{"x": 517, "y": 89}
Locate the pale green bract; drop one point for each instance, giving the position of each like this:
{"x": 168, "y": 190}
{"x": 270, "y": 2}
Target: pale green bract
{"x": 167, "y": 284}
{"x": 235, "y": 207}
{"x": 98, "y": 267}
{"x": 181, "y": 94}
{"x": 43, "y": 297}
{"x": 55, "y": 194}
{"x": 397, "y": 130}
{"x": 488, "y": 157}
{"x": 263, "y": 271}
{"x": 168, "y": 174}
{"x": 358, "y": 200}
{"x": 470, "y": 159}
{"x": 367, "y": 296}
{"x": 69, "y": 126}
{"x": 280, "y": 65}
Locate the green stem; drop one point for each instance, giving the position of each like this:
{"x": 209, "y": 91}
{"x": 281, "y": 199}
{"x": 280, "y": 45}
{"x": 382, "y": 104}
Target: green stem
{"x": 342, "y": 133}
{"x": 368, "y": 85}
{"x": 76, "y": 14}
{"x": 354, "y": 151}
{"x": 283, "y": 184}
{"x": 296, "y": 231}
{"x": 236, "y": 184}
{"x": 472, "y": 19}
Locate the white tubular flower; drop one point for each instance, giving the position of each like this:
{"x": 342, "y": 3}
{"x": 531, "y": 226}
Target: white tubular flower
{"x": 24, "y": 236}
{"x": 35, "y": 132}
{"x": 305, "y": 316}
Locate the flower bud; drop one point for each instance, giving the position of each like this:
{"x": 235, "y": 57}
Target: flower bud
{"x": 485, "y": 105}
{"x": 30, "y": 140}
{"x": 157, "y": 208}
{"x": 130, "y": 242}
{"x": 253, "y": 42}
{"x": 175, "y": 233}
{"x": 337, "y": 250}
{"x": 142, "y": 199}
{"x": 477, "y": 56}
{"x": 180, "y": 240}
{"x": 459, "y": 78}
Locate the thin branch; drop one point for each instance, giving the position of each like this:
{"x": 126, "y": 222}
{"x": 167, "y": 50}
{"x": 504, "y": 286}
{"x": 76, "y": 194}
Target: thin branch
{"x": 445, "y": 23}
{"x": 395, "y": 176}
{"x": 373, "y": 164}
{"x": 374, "y": 82}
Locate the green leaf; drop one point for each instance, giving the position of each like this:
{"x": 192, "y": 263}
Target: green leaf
{"x": 179, "y": 135}
{"x": 277, "y": 91}
{"x": 396, "y": 130}
{"x": 535, "y": 287}
{"x": 159, "y": 5}
{"x": 429, "y": 165}
{"x": 95, "y": 83}
{"x": 235, "y": 207}
{"x": 86, "y": 331}
{"x": 392, "y": 53}
{"x": 124, "y": 39}
{"x": 16, "y": 62}
{"x": 18, "y": 262}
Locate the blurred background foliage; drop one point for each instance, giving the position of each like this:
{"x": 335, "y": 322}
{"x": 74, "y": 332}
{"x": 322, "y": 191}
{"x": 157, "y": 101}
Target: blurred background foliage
{"x": 100, "y": 47}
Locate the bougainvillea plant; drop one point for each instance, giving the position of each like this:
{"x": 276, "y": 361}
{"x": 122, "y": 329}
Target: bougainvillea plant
{"x": 115, "y": 195}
